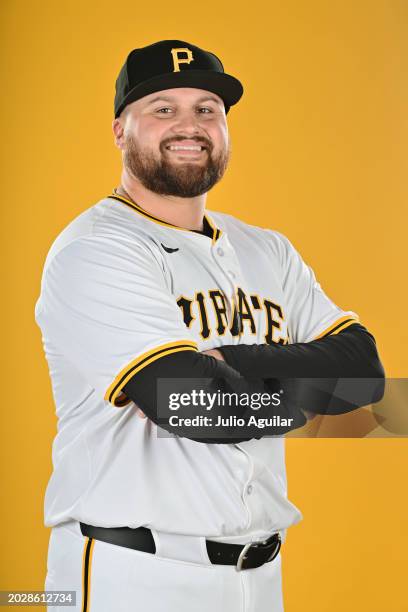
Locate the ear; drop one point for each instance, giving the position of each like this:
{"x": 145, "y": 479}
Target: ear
{"x": 118, "y": 132}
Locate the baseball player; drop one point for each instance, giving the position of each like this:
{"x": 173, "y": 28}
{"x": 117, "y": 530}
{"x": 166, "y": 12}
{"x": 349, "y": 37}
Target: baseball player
{"x": 148, "y": 286}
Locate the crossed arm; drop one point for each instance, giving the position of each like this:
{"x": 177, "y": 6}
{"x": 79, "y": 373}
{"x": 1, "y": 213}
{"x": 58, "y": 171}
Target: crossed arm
{"x": 351, "y": 355}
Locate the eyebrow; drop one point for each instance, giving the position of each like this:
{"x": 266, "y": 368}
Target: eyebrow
{"x": 169, "y": 99}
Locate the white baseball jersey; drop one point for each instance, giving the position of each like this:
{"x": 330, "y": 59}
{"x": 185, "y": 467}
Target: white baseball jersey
{"x": 120, "y": 289}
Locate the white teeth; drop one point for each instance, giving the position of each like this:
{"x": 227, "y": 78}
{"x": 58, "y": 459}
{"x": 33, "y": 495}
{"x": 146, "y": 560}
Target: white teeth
{"x": 184, "y": 148}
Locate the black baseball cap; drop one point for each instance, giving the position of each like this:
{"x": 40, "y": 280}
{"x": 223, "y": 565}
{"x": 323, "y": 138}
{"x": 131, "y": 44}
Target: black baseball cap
{"x": 173, "y": 63}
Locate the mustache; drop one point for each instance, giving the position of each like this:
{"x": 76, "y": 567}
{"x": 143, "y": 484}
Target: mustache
{"x": 204, "y": 142}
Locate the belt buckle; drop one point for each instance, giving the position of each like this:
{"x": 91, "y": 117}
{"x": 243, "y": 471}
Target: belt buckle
{"x": 256, "y": 543}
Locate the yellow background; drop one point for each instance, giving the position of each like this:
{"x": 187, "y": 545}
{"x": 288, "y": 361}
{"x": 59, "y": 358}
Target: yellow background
{"x": 319, "y": 153}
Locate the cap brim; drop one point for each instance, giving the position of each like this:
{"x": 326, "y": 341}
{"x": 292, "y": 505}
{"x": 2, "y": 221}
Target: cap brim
{"x": 227, "y": 87}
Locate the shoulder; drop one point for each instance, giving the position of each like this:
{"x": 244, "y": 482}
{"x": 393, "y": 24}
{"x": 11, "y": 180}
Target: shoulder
{"x": 104, "y": 227}
{"x": 236, "y": 229}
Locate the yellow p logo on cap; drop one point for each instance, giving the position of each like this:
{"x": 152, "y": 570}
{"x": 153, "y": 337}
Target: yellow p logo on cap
{"x": 181, "y": 60}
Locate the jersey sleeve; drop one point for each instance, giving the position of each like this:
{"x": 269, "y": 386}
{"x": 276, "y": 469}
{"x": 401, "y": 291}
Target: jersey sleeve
{"x": 106, "y": 305}
{"x": 311, "y": 313}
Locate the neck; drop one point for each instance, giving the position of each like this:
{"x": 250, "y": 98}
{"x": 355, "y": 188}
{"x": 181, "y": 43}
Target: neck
{"x": 187, "y": 213}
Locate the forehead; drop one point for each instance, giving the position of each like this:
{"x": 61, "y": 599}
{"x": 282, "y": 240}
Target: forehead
{"x": 181, "y": 95}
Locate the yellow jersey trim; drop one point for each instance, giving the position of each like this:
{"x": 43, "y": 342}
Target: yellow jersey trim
{"x": 216, "y": 232}
{"x": 86, "y": 573}
{"x": 338, "y": 326}
{"x": 114, "y": 390}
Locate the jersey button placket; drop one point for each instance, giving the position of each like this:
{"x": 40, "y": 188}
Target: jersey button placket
{"x": 225, "y": 258}
{"x": 248, "y": 485}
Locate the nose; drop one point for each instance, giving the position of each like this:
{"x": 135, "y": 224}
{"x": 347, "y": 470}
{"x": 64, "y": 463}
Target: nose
{"x": 187, "y": 123}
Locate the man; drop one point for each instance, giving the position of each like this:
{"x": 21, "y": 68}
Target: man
{"x": 146, "y": 295}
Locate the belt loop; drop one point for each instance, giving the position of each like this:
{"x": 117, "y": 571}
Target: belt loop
{"x": 181, "y": 547}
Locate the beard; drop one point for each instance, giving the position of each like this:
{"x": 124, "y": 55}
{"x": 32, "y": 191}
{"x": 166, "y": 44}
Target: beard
{"x": 184, "y": 180}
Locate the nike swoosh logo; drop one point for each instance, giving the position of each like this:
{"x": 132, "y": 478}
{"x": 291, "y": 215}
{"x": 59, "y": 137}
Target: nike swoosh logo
{"x": 169, "y": 249}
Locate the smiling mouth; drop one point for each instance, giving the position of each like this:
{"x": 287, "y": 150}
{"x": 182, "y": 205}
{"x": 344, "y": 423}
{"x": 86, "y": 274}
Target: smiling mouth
{"x": 186, "y": 148}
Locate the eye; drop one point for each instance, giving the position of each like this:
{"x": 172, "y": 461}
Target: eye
{"x": 163, "y": 110}
{"x": 205, "y": 109}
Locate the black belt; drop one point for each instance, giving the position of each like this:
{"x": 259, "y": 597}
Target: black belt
{"x": 253, "y": 554}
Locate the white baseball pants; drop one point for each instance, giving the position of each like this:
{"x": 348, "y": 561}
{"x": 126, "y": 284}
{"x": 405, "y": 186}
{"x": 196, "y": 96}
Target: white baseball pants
{"x": 178, "y": 578}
